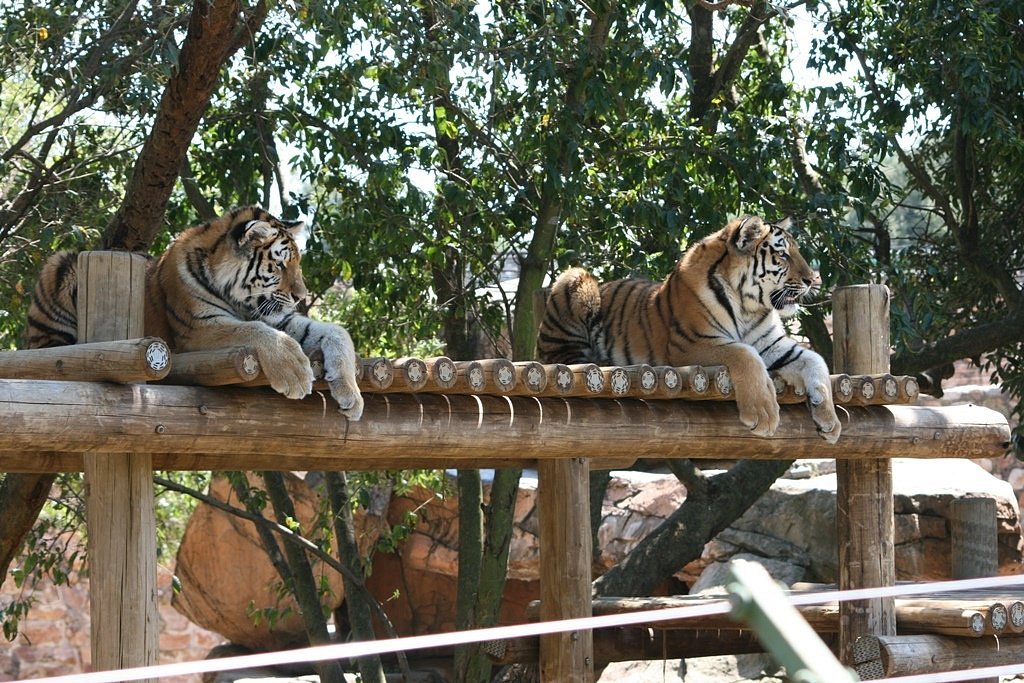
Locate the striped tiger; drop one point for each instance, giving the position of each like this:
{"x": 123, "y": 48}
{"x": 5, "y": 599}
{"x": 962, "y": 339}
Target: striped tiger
{"x": 722, "y": 304}
{"x": 233, "y": 281}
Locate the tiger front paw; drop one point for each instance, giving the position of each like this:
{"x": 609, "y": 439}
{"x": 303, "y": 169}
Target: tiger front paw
{"x": 286, "y": 367}
{"x": 340, "y": 372}
{"x": 823, "y": 410}
{"x": 759, "y": 409}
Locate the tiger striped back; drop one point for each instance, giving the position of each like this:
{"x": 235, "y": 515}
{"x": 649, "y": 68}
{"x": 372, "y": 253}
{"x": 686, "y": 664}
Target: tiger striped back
{"x": 52, "y": 316}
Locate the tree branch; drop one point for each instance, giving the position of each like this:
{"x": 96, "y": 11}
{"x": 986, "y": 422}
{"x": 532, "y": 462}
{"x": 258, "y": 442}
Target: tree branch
{"x": 213, "y": 34}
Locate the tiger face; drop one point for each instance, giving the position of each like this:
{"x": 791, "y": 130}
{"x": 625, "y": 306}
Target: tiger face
{"x": 775, "y": 275}
{"x": 261, "y": 273}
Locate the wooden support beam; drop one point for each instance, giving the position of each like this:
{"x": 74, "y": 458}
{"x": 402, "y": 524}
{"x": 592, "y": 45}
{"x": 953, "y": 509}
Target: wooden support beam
{"x": 864, "y": 494}
{"x": 911, "y": 655}
{"x": 237, "y": 423}
{"x": 969, "y": 617}
{"x": 630, "y": 644}
{"x": 125, "y": 361}
{"x": 565, "y": 568}
{"x": 119, "y": 483}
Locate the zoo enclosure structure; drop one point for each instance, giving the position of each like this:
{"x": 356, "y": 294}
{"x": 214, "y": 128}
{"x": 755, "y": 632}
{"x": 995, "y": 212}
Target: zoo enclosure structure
{"x": 87, "y": 408}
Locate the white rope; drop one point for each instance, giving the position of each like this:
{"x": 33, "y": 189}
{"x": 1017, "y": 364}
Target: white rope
{"x": 377, "y": 647}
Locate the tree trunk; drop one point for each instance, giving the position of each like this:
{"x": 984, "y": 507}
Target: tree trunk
{"x": 303, "y": 584}
{"x": 21, "y": 498}
{"x": 708, "y": 509}
{"x": 357, "y": 605}
{"x": 215, "y": 31}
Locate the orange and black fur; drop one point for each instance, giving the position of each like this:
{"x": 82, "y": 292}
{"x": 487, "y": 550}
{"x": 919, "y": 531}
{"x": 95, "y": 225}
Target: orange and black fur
{"x": 233, "y": 281}
{"x": 722, "y": 304}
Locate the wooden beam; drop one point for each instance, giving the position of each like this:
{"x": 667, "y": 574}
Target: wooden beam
{"x": 910, "y": 655}
{"x": 864, "y": 495}
{"x": 78, "y": 417}
{"x": 120, "y": 518}
{"x": 630, "y": 644}
{"x": 565, "y": 568}
{"x": 129, "y": 360}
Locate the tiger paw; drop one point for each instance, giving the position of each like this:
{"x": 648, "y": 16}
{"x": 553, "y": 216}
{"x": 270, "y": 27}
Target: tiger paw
{"x": 823, "y": 411}
{"x": 759, "y": 410}
{"x": 340, "y": 371}
{"x": 285, "y": 366}
{"x": 350, "y": 401}
{"x": 827, "y": 421}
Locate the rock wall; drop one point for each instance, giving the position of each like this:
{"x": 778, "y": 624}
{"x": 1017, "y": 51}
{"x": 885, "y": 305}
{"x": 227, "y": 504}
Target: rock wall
{"x": 54, "y": 637}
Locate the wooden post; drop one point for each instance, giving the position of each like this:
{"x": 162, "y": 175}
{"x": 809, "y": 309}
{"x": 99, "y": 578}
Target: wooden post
{"x": 973, "y": 538}
{"x": 119, "y": 486}
{"x": 864, "y": 498}
{"x": 565, "y": 568}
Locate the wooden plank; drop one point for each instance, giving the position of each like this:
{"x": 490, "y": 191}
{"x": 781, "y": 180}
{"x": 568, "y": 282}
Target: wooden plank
{"x": 864, "y": 494}
{"x": 125, "y": 361}
{"x": 37, "y": 415}
{"x": 565, "y": 568}
{"x": 119, "y": 485}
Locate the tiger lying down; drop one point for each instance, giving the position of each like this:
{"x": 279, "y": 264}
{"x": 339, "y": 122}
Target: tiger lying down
{"x": 234, "y": 281}
{"x": 722, "y": 304}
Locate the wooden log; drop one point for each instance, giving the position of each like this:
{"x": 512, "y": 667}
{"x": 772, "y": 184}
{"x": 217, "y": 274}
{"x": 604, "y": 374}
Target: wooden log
{"x": 532, "y": 377}
{"x": 38, "y": 415}
{"x": 967, "y": 617}
{"x": 501, "y": 374}
{"x": 643, "y": 377}
{"x": 588, "y": 378}
{"x": 124, "y": 361}
{"x": 565, "y": 568}
{"x": 216, "y": 368}
{"x": 72, "y": 462}
{"x": 670, "y": 382}
{"x": 443, "y": 373}
{"x": 377, "y": 375}
{"x": 119, "y": 483}
{"x": 822, "y": 618}
{"x": 560, "y": 380}
{"x": 911, "y": 655}
{"x": 409, "y": 374}
{"x": 952, "y": 622}
{"x": 632, "y": 644}
{"x": 974, "y": 552}
{"x": 973, "y": 538}
{"x": 864, "y": 494}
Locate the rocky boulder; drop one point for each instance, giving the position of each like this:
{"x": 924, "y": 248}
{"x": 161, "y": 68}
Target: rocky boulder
{"x": 791, "y": 529}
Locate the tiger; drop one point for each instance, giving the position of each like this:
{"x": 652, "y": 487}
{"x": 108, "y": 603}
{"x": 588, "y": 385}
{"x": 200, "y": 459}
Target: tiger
{"x": 723, "y": 303}
{"x": 232, "y": 281}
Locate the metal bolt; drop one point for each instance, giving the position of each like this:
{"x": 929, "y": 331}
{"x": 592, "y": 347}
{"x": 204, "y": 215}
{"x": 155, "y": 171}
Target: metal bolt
{"x": 159, "y": 429}
{"x": 203, "y": 410}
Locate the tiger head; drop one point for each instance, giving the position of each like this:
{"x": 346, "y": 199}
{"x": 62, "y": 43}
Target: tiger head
{"x": 260, "y": 270}
{"x": 774, "y": 272}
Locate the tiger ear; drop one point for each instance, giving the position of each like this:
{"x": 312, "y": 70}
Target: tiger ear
{"x": 786, "y": 223}
{"x": 750, "y": 230}
{"x": 299, "y": 233}
{"x": 254, "y": 232}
